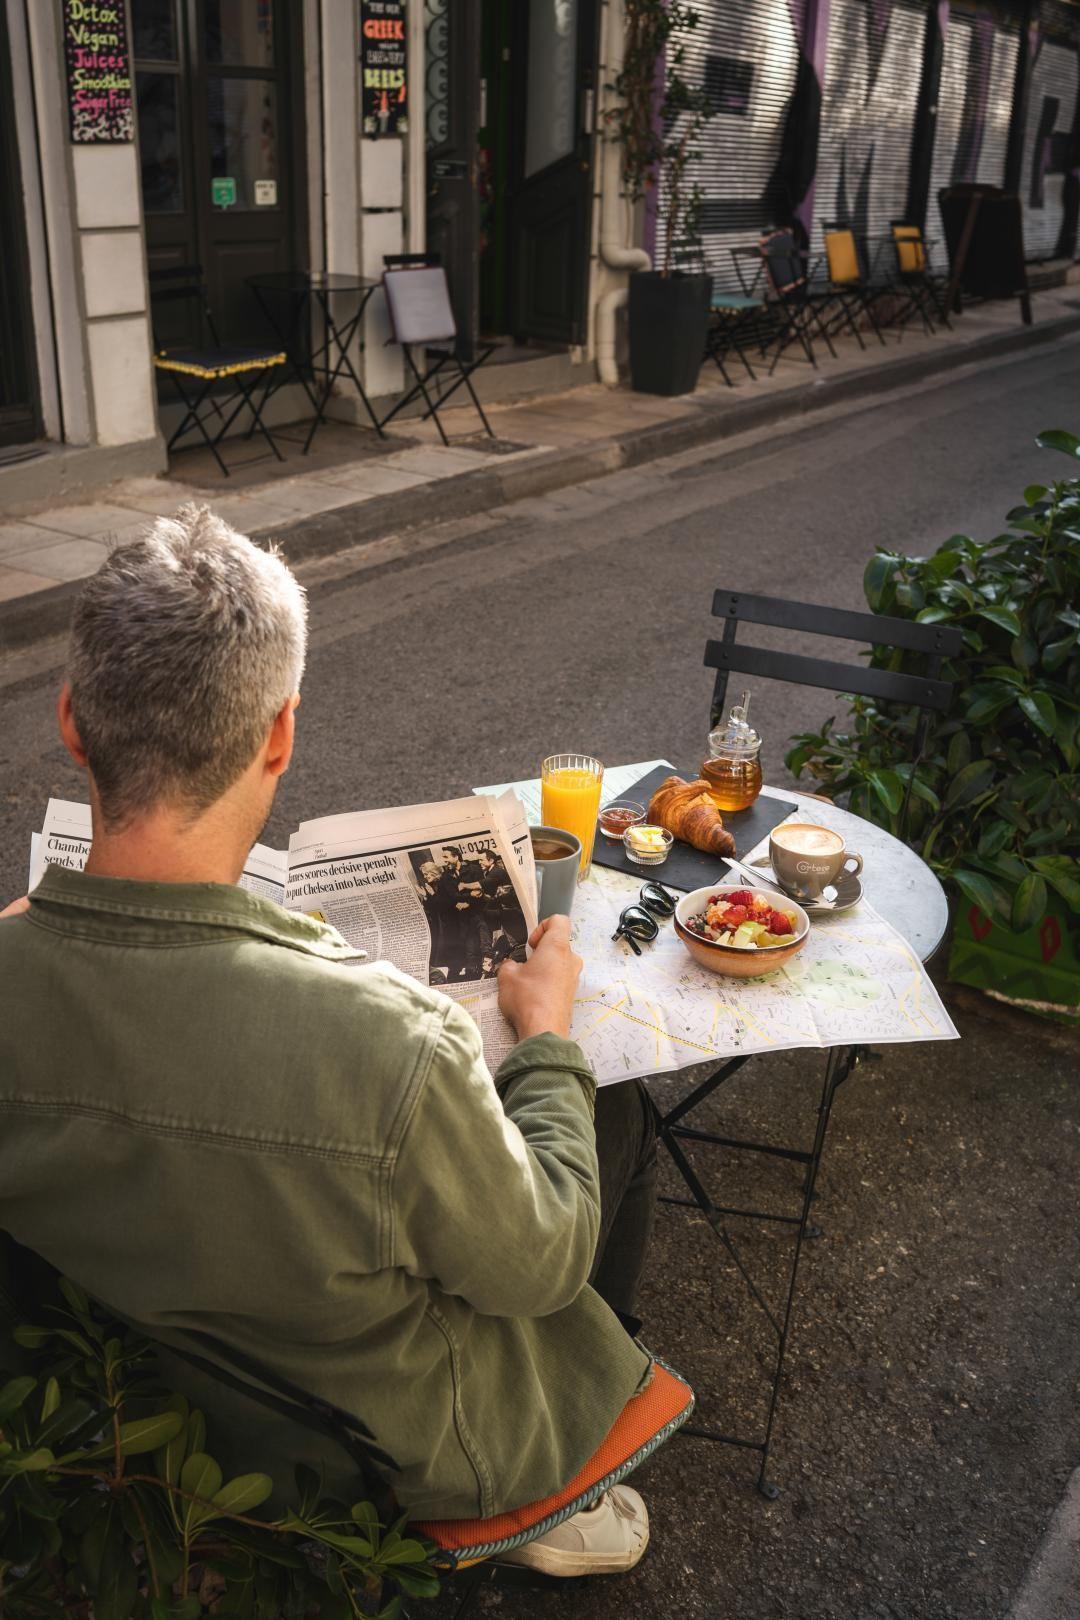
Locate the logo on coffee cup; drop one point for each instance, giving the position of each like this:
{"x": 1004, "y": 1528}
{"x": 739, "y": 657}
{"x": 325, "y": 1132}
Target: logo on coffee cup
{"x": 809, "y": 866}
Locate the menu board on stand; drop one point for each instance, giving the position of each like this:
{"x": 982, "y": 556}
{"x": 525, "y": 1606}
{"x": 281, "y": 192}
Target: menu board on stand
{"x": 101, "y": 108}
{"x": 383, "y": 68}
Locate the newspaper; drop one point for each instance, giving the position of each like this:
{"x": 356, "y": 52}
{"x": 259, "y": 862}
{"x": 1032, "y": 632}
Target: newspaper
{"x": 445, "y": 892}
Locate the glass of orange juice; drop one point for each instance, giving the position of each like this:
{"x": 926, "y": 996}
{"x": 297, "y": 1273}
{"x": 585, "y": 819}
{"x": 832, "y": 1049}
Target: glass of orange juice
{"x": 570, "y": 798}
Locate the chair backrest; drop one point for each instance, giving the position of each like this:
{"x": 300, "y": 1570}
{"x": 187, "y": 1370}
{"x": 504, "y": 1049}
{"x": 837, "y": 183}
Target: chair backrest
{"x": 910, "y": 249}
{"x": 841, "y": 254}
{"x": 784, "y": 263}
{"x": 934, "y": 641}
{"x": 418, "y": 299}
{"x": 181, "y": 284}
{"x": 925, "y": 692}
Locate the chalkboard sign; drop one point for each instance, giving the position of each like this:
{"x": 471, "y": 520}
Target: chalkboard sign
{"x": 101, "y": 105}
{"x": 383, "y": 70}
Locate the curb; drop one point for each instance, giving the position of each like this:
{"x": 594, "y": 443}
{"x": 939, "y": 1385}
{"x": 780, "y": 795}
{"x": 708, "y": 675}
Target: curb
{"x": 1051, "y": 1589}
{"x": 28, "y": 619}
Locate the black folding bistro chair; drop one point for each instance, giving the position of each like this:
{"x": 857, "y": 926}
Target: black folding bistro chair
{"x": 422, "y": 316}
{"x": 915, "y": 275}
{"x": 734, "y": 318}
{"x": 215, "y": 381}
{"x": 802, "y": 309}
{"x": 924, "y": 692}
{"x": 849, "y": 278}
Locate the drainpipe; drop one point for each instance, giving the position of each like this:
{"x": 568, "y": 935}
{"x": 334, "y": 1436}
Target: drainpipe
{"x": 615, "y": 252}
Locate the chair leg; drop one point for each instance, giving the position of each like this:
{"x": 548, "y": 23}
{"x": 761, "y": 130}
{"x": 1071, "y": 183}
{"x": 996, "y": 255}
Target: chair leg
{"x": 193, "y": 419}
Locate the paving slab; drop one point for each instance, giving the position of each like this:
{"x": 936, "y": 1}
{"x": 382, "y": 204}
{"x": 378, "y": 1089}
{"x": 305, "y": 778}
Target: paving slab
{"x": 95, "y": 518}
{"x": 16, "y": 582}
{"x": 69, "y": 559}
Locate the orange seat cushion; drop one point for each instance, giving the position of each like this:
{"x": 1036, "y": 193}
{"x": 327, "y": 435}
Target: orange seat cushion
{"x": 645, "y": 1422}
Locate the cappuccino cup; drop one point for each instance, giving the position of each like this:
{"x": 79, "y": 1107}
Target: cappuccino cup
{"x": 807, "y": 858}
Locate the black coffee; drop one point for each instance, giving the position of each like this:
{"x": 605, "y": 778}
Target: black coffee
{"x": 550, "y": 849}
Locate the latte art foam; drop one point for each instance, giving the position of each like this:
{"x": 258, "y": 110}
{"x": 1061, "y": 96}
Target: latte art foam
{"x": 801, "y": 839}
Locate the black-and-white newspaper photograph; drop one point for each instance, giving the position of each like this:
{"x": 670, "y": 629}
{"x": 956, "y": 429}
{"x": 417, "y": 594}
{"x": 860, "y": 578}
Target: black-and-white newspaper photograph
{"x": 474, "y": 916}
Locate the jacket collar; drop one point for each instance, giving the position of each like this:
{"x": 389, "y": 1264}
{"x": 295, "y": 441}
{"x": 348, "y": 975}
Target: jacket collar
{"x": 123, "y": 910}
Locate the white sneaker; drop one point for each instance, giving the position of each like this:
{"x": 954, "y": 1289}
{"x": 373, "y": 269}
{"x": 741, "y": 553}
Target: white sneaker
{"x": 604, "y": 1539}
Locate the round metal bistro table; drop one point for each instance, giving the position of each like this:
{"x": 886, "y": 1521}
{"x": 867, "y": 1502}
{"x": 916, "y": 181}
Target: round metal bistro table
{"x": 904, "y": 890}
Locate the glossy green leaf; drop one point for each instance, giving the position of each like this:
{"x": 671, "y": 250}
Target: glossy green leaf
{"x": 14, "y": 1394}
{"x": 995, "y": 835}
{"x": 140, "y": 1435}
{"x": 969, "y": 783}
{"x": 877, "y": 578}
{"x": 243, "y": 1493}
{"x": 50, "y": 1400}
{"x": 888, "y": 787}
{"x": 1029, "y": 902}
{"x": 31, "y": 1462}
{"x": 64, "y": 1419}
{"x": 77, "y": 1299}
{"x": 405, "y": 1552}
{"x": 1055, "y": 653}
{"x": 200, "y": 1476}
{"x": 959, "y": 753}
{"x": 1058, "y": 439}
{"x": 1063, "y": 875}
{"x": 1035, "y": 493}
{"x": 1003, "y": 617}
{"x": 978, "y": 888}
{"x": 31, "y": 1338}
{"x": 1040, "y": 711}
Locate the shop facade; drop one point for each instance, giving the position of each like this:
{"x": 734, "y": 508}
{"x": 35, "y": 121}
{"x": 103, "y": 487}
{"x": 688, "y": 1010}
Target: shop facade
{"x": 257, "y": 136}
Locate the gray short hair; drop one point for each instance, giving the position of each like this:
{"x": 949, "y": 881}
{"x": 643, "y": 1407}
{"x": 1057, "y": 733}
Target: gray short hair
{"x": 185, "y": 644}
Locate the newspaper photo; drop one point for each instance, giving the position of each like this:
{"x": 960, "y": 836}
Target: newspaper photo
{"x": 445, "y": 892}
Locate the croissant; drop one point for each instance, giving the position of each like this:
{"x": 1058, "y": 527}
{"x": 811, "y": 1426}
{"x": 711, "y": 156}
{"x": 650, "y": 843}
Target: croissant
{"x": 686, "y": 810}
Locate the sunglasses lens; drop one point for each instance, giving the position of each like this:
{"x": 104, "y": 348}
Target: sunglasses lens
{"x": 637, "y": 921}
{"x": 657, "y": 898}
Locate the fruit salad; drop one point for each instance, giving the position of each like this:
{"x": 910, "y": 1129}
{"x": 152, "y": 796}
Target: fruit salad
{"x": 746, "y": 919}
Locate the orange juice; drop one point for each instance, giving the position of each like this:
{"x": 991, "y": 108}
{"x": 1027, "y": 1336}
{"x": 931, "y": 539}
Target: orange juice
{"x": 570, "y": 798}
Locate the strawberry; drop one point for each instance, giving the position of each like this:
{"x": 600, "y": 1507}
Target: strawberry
{"x": 734, "y": 915}
{"x": 779, "y": 924}
{"x": 740, "y": 897}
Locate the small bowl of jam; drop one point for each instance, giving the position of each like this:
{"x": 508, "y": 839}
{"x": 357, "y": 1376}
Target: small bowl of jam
{"x": 615, "y": 818}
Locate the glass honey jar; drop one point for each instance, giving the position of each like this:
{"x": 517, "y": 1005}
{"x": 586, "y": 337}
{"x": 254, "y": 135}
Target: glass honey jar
{"x": 732, "y": 767}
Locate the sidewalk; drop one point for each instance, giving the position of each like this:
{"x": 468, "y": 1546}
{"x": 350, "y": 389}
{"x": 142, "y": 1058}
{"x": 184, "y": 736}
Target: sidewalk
{"x": 354, "y": 487}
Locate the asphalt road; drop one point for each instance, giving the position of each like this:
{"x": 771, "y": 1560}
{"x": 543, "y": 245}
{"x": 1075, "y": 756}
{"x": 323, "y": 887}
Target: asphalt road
{"x": 930, "y": 1419}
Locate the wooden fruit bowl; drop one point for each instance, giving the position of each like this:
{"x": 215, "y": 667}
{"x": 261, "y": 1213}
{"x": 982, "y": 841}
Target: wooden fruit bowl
{"x": 734, "y": 961}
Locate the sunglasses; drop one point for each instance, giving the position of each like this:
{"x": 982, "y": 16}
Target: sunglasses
{"x": 638, "y": 922}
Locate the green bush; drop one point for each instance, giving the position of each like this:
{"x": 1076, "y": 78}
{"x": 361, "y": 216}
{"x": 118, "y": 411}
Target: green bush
{"x": 993, "y": 800}
{"x": 110, "y": 1515}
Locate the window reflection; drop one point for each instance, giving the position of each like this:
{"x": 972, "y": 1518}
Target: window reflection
{"x": 159, "y": 142}
{"x": 153, "y": 31}
{"x": 243, "y": 133}
{"x": 240, "y": 33}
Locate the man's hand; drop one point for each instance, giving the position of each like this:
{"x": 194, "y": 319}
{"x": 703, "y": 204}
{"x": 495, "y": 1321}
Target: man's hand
{"x": 538, "y": 995}
{"x": 16, "y": 907}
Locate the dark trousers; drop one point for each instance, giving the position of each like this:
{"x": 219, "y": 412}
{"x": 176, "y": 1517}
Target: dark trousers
{"x": 626, "y": 1151}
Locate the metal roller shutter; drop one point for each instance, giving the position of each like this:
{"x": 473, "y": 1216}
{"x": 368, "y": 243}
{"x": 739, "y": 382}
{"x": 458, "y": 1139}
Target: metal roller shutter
{"x": 744, "y": 53}
{"x": 974, "y": 105}
{"x": 872, "y": 70}
{"x": 1047, "y": 142}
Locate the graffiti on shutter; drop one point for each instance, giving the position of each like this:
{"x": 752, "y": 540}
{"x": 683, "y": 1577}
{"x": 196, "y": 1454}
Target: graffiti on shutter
{"x": 1047, "y": 144}
{"x": 974, "y": 106}
{"x": 868, "y": 116}
{"x": 744, "y": 54}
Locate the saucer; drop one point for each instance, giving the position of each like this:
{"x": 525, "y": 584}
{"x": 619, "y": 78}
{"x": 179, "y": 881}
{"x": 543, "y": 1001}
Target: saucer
{"x": 847, "y": 886}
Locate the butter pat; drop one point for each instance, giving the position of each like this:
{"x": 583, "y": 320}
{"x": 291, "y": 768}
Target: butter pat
{"x": 648, "y": 844}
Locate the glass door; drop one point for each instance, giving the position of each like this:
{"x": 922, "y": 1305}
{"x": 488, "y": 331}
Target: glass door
{"x": 219, "y": 86}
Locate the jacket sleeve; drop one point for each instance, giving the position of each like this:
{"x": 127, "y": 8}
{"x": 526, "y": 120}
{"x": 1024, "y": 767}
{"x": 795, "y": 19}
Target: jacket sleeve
{"x": 500, "y": 1205}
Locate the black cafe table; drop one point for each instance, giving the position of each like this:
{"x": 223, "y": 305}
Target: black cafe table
{"x": 337, "y": 300}
{"x": 907, "y": 894}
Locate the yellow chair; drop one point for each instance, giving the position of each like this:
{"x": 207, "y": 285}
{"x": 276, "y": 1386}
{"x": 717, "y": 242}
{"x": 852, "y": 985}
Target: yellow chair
{"x": 848, "y": 280}
{"x": 915, "y": 276}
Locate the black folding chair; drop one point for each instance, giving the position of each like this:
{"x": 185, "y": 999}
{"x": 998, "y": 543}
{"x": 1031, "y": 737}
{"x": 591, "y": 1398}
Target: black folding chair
{"x": 421, "y": 316}
{"x": 925, "y": 290}
{"x": 802, "y": 309}
{"x": 213, "y": 380}
{"x": 734, "y": 318}
{"x": 925, "y": 691}
{"x": 849, "y": 278}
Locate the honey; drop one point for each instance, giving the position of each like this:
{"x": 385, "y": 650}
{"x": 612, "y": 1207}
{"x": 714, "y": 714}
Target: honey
{"x": 732, "y": 770}
{"x": 733, "y": 783}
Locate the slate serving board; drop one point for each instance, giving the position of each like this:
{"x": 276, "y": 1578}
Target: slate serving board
{"x": 687, "y": 868}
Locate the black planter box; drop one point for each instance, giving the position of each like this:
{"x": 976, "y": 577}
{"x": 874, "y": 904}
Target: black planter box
{"x": 669, "y": 317}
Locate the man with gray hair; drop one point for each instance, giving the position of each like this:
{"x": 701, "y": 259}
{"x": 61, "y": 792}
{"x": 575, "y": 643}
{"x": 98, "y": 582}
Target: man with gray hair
{"x": 250, "y": 1145}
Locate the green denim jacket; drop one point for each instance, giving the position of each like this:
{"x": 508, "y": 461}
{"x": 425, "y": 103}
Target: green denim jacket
{"x": 214, "y": 1117}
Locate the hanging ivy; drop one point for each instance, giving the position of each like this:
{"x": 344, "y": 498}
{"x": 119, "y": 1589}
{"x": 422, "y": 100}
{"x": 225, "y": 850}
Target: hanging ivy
{"x": 659, "y": 124}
